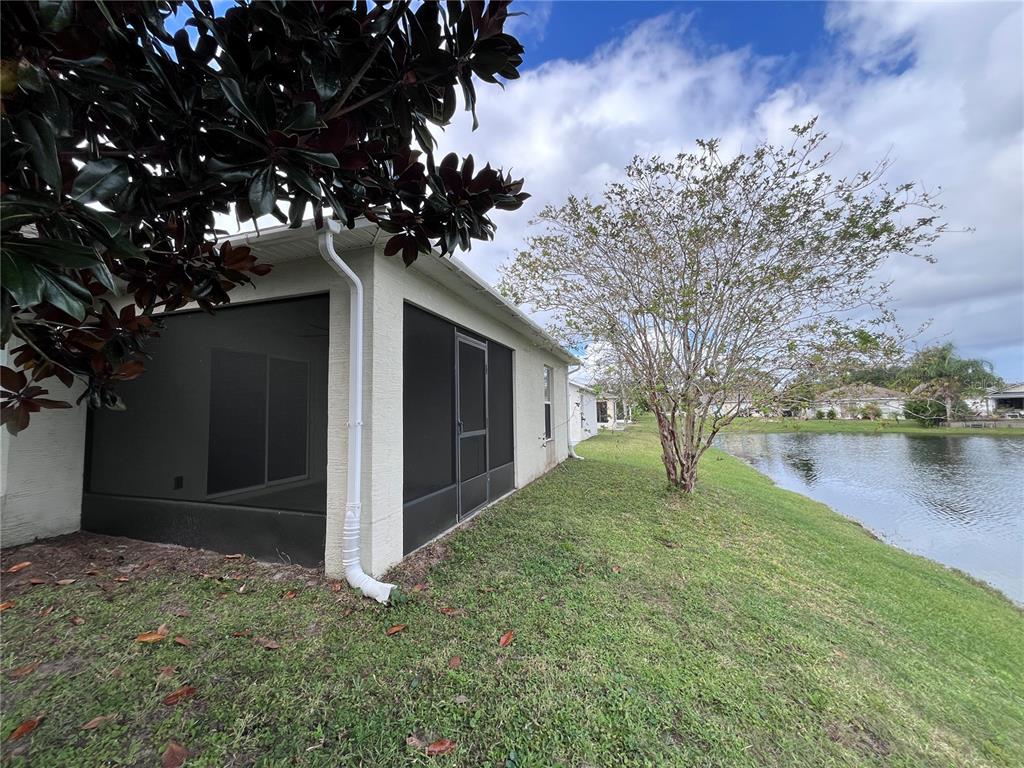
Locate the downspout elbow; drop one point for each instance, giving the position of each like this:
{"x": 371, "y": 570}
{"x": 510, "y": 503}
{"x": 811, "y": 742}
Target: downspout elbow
{"x": 352, "y": 531}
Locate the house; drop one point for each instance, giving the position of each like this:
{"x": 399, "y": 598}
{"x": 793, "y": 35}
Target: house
{"x": 582, "y": 412}
{"x": 850, "y": 400}
{"x": 610, "y": 412}
{"x": 292, "y": 425}
{"x": 1010, "y": 398}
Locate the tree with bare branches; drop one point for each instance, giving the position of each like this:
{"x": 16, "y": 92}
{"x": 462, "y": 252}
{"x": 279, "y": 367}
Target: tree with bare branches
{"x": 714, "y": 282}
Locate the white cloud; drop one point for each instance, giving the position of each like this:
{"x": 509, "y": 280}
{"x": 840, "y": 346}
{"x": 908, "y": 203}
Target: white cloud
{"x": 938, "y": 86}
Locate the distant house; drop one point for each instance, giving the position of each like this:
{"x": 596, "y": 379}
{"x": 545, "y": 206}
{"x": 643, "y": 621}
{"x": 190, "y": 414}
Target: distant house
{"x": 1009, "y": 398}
{"x": 849, "y": 401}
{"x": 611, "y": 413}
{"x": 582, "y": 413}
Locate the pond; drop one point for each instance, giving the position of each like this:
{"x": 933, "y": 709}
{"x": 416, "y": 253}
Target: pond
{"x": 957, "y": 500}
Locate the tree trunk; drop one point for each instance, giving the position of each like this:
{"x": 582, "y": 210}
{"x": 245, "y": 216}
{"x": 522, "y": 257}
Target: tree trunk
{"x": 949, "y": 409}
{"x": 680, "y": 461}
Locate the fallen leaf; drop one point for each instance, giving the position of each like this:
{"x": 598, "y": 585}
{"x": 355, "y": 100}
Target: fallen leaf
{"x": 165, "y": 672}
{"x": 46, "y": 611}
{"x": 120, "y": 578}
{"x": 182, "y": 693}
{"x": 96, "y": 722}
{"x": 36, "y": 581}
{"x": 77, "y": 621}
{"x": 117, "y": 673}
{"x": 163, "y": 629}
{"x": 241, "y": 589}
{"x": 461, "y": 699}
{"x": 152, "y": 637}
{"x": 419, "y": 587}
{"x": 233, "y": 557}
{"x": 415, "y": 742}
{"x": 395, "y": 629}
{"x": 19, "y": 672}
{"x": 580, "y": 569}
{"x": 6, "y": 604}
{"x": 440, "y": 747}
{"x": 616, "y": 569}
{"x": 25, "y": 728}
{"x": 183, "y": 613}
{"x": 270, "y": 645}
{"x": 454, "y": 662}
{"x": 448, "y": 611}
{"x": 243, "y": 633}
{"x": 335, "y": 586}
{"x": 346, "y": 613}
{"x": 92, "y": 572}
{"x": 174, "y": 755}
{"x": 19, "y": 567}
{"x": 182, "y": 640}
{"x": 291, "y": 594}
{"x": 65, "y": 582}
{"x": 506, "y": 638}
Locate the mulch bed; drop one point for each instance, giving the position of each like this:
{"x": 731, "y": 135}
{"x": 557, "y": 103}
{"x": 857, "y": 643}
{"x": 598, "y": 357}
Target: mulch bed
{"x": 80, "y": 555}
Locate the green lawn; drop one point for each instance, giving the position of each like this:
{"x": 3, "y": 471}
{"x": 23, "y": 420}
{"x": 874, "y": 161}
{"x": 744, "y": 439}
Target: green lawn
{"x": 864, "y": 427}
{"x": 746, "y": 626}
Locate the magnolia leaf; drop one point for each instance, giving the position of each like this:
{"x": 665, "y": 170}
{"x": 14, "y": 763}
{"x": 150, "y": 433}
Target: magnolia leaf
{"x": 100, "y": 180}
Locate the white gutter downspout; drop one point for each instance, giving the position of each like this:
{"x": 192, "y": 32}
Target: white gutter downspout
{"x": 350, "y": 553}
{"x": 568, "y": 410}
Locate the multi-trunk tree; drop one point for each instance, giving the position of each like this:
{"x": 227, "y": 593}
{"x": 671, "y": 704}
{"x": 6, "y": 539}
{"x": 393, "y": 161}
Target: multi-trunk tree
{"x": 716, "y": 281}
{"x": 127, "y": 128}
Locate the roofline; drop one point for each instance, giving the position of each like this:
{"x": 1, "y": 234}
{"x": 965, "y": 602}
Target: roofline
{"x": 452, "y": 264}
{"x": 458, "y": 267}
{"x": 584, "y": 387}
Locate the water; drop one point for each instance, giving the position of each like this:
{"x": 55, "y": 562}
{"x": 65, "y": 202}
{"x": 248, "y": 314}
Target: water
{"x": 957, "y": 500}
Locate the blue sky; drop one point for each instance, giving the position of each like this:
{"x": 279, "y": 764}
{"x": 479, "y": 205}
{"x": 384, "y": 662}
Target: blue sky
{"x": 936, "y": 87}
{"x": 574, "y": 29}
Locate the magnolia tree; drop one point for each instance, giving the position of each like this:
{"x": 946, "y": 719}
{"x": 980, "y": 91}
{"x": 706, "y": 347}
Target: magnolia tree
{"x": 717, "y": 281}
{"x": 128, "y": 127}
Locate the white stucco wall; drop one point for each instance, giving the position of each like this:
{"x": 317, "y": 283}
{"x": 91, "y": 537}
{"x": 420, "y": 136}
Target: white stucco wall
{"x": 41, "y": 472}
{"x": 393, "y": 285}
{"x": 42, "y": 469}
{"x": 583, "y": 413}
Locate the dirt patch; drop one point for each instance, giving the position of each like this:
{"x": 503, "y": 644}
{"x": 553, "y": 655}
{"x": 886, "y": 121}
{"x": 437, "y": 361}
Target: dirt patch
{"x": 83, "y": 556}
{"x": 415, "y": 569}
{"x": 859, "y": 738}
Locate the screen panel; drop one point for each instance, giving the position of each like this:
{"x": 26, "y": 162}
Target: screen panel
{"x": 287, "y": 419}
{"x": 473, "y": 456}
{"x": 472, "y": 387}
{"x": 236, "y": 457}
{"x": 160, "y": 446}
{"x": 428, "y": 387}
{"x": 499, "y": 404}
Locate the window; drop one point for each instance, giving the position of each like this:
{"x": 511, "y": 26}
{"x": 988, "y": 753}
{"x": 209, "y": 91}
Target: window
{"x": 258, "y": 420}
{"x": 548, "y": 374}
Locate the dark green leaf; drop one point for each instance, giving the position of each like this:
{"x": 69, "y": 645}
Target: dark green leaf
{"x": 233, "y": 92}
{"x": 60, "y": 253}
{"x": 100, "y": 180}
{"x": 36, "y": 131}
{"x": 261, "y": 192}
{"x": 20, "y": 278}
{"x": 56, "y": 14}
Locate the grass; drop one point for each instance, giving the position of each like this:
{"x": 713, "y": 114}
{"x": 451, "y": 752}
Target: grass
{"x": 864, "y": 427}
{"x": 744, "y": 626}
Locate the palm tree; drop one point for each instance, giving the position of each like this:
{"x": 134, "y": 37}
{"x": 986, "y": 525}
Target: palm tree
{"x": 937, "y": 372}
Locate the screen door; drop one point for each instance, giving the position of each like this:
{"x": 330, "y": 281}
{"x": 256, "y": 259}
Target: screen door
{"x": 471, "y": 423}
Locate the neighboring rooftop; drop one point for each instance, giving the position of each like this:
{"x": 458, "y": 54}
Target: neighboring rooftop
{"x": 861, "y": 392}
